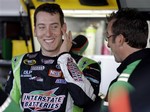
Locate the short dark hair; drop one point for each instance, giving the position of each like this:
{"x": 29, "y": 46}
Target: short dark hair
{"x": 50, "y": 8}
{"x": 132, "y": 25}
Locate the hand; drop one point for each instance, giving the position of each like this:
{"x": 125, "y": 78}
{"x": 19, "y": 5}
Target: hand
{"x": 67, "y": 43}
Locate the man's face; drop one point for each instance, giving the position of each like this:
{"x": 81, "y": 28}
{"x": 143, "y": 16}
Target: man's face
{"x": 48, "y": 31}
{"x": 114, "y": 45}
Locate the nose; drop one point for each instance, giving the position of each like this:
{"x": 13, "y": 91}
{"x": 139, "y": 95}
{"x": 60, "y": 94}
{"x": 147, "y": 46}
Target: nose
{"x": 108, "y": 45}
{"x": 48, "y": 32}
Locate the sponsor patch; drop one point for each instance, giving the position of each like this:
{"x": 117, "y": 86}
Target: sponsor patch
{"x": 60, "y": 81}
{"x": 29, "y": 62}
{"x": 38, "y": 67}
{"x": 36, "y": 78}
{"x": 48, "y": 61}
{"x": 26, "y": 72}
{"x": 55, "y": 73}
{"x": 26, "y": 75}
{"x": 42, "y": 100}
{"x": 74, "y": 70}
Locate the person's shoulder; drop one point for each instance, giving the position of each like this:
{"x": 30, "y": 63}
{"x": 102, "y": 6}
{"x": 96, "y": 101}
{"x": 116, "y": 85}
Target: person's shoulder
{"x": 18, "y": 59}
{"x": 30, "y": 54}
{"x": 25, "y": 55}
{"x": 121, "y": 85}
{"x": 78, "y": 56}
{"x": 89, "y": 59}
{"x": 75, "y": 56}
{"x": 84, "y": 59}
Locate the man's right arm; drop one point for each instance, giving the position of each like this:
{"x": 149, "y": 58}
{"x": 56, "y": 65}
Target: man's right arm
{"x": 9, "y": 83}
{"x": 12, "y": 88}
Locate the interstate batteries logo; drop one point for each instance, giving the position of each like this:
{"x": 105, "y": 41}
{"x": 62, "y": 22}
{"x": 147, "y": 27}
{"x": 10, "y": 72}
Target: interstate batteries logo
{"x": 42, "y": 100}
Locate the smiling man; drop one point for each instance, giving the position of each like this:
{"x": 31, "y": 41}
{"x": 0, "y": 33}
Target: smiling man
{"x": 54, "y": 78}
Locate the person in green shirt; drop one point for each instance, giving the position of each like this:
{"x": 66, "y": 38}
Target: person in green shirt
{"x": 127, "y": 37}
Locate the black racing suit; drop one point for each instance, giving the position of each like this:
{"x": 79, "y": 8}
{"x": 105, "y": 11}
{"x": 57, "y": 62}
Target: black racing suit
{"x": 58, "y": 84}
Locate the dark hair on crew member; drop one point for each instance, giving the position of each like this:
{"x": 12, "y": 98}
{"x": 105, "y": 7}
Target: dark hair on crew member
{"x": 132, "y": 25}
{"x": 50, "y": 8}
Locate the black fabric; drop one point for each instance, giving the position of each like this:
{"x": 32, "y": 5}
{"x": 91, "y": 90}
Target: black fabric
{"x": 95, "y": 106}
{"x": 94, "y": 2}
{"x": 140, "y": 80}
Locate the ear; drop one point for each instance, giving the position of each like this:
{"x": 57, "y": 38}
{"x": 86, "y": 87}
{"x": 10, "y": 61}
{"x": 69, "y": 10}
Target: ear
{"x": 34, "y": 31}
{"x": 120, "y": 40}
{"x": 64, "y": 27}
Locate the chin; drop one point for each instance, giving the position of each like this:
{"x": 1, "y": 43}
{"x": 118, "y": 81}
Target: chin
{"x": 117, "y": 59}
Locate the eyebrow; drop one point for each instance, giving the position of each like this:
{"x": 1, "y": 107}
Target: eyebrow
{"x": 50, "y": 24}
{"x": 54, "y": 23}
{"x": 40, "y": 24}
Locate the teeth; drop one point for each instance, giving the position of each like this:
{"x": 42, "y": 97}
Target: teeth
{"x": 49, "y": 40}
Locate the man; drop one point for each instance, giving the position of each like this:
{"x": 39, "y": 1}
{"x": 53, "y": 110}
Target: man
{"x": 53, "y": 79}
{"x": 127, "y": 34}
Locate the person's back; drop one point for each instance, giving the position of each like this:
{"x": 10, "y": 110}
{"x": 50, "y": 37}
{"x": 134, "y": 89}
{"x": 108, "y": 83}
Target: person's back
{"x": 140, "y": 80}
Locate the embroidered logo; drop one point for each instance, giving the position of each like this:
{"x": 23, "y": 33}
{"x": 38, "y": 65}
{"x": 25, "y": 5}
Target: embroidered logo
{"x": 42, "y": 100}
{"x": 29, "y": 62}
{"x": 37, "y": 67}
{"x": 55, "y": 73}
{"x": 36, "y": 78}
{"x": 50, "y": 61}
{"x": 74, "y": 70}
{"x": 60, "y": 81}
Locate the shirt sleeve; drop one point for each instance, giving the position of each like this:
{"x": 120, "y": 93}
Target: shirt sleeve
{"x": 7, "y": 104}
{"x": 79, "y": 86}
{"x": 119, "y": 94}
{"x": 13, "y": 87}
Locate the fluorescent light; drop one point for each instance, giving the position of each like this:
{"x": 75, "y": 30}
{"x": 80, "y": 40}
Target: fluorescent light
{"x": 87, "y": 13}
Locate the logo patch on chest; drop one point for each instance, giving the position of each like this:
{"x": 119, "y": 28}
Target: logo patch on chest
{"x": 41, "y": 100}
{"x": 55, "y": 73}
